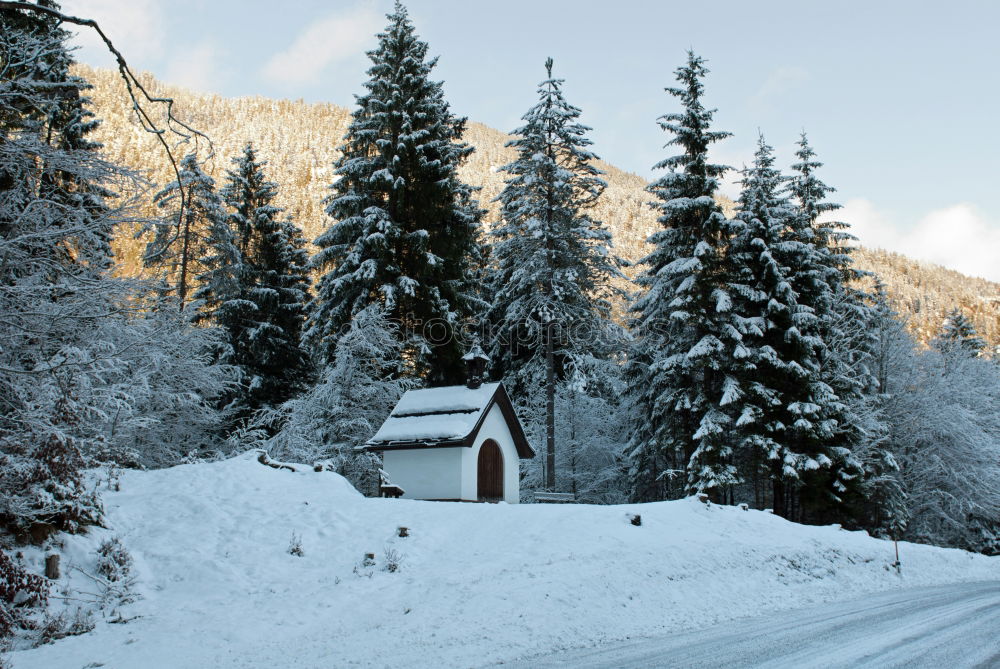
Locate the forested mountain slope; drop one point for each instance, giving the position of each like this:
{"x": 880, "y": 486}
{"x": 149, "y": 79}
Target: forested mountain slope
{"x": 300, "y": 140}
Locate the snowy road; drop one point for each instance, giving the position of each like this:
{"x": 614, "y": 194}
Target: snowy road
{"x": 946, "y": 627}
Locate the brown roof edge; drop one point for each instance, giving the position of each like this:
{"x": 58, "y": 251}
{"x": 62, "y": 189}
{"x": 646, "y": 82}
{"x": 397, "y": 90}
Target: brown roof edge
{"x": 501, "y": 398}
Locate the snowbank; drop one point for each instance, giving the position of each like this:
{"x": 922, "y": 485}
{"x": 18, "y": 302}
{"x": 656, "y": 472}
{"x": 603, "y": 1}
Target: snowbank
{"x": 477, "y": 584}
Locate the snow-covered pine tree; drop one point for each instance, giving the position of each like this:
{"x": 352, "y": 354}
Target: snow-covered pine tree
{"x": 830, "y": 285}
{"x": 183, "y": 242}
{"x": 406, "y": 231}
{"x": 830, "y": 238}
{"x": 256, "y": 289}
{"x": 958, "y": 336}
{"x": 788, "y": 416}
{"x": 552, "y": 287}
{"x": 685, "y": 335}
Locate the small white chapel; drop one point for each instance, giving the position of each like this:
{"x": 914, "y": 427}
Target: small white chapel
{"x": 456, "y": 443}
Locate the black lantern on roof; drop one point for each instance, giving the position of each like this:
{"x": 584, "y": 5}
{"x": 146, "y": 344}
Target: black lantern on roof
{"x": 475, "y": 366}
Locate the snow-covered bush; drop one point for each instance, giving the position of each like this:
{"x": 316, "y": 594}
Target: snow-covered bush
{"x": 162, "y": 402}
{"x": 22, "y": 594}
{"x": 55, "y": 626}
{"x": 295, "y": 545}
{"x": 114, "y": 562}
{"x": 391, "y": 560}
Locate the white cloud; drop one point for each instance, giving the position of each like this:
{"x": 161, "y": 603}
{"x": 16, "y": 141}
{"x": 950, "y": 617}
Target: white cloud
{"x": 960, "y": 237}
{"x": 195, "y": 67}
{"x": 334, "y": 39}
{"x": 136, "y": 27}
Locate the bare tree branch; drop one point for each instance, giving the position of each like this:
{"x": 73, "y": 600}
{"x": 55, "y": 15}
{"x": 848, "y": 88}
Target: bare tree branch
{"x": 132, "y": 84}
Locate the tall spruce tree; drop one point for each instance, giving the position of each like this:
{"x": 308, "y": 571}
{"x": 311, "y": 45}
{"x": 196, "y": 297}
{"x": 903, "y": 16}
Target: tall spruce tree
{"x": 789, "y": 417}
{"x": 552, "y": 287}
{"x": 406, "y": 229}
{"x": 256, "y": 288}
{"x": 828, "y": 283}
{"x": 686, "y": 335}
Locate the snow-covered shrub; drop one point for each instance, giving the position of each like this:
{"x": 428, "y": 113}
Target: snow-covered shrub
{"x": 391, "y": 560}
{"x": 21, "y": 595}
{"x": 48, "y": 494}
{"x": 114, "y": 562}
{"x": 81, "y": 622}
{"x": 161, "y": 404}
{"x": 295, "y": 545}
{"x": 54, "y": 626}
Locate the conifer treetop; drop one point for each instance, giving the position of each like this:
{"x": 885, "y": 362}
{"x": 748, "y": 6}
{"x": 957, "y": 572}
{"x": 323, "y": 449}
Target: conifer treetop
{"x": 554, "y": 260}
{"x": 690, "y": 130}
{"x": 958, "y": 334}
{"x": 406, "y": 228}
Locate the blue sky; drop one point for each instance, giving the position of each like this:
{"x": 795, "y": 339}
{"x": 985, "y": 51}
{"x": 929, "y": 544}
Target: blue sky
{"x": 899, "y": 98}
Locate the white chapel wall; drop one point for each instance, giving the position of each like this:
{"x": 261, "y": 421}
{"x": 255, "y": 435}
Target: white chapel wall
{"x": 427, "y": 473}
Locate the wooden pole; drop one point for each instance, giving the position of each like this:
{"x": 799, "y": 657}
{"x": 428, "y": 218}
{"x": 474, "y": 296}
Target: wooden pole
{"x": 550, "y": 411}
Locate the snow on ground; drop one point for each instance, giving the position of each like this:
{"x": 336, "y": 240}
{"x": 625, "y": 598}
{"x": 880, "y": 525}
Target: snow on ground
{"x": 477, "y": 584}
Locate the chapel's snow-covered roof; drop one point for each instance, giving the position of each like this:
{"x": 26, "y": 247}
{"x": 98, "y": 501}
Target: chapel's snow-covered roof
{"x": 447, "y": 399}
{"x": 445, "y": 416}
{"x": 436, "y": 414}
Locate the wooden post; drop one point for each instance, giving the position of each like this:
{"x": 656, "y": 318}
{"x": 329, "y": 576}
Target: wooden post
{"x": 550, "y": 411}
{"x": 52, "y": 566}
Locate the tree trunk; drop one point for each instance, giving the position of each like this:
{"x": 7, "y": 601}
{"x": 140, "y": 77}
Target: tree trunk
{"x": 550, "y": 411}
{"x": 778, "y": 503}
{"x": 572, "y": 448}
{"x": 185, "y": 252}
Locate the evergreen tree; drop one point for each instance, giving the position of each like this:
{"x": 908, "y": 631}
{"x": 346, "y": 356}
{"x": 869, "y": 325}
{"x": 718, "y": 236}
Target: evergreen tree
{"x": 788, "y": 416}
{"x": 183, "y": 242}
{"x": 406, "y": 231}
{"x": 830, "y": 285}
{"x": 829, "y": 237}
{"x": 256, "y": 288}
{"x": 552, "y": 283}
{"x": 685, "y": 333}
{"x": 958, "y": 336}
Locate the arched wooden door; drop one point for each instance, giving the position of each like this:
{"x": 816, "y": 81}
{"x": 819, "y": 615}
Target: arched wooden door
{"x": 490, "y": 474}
